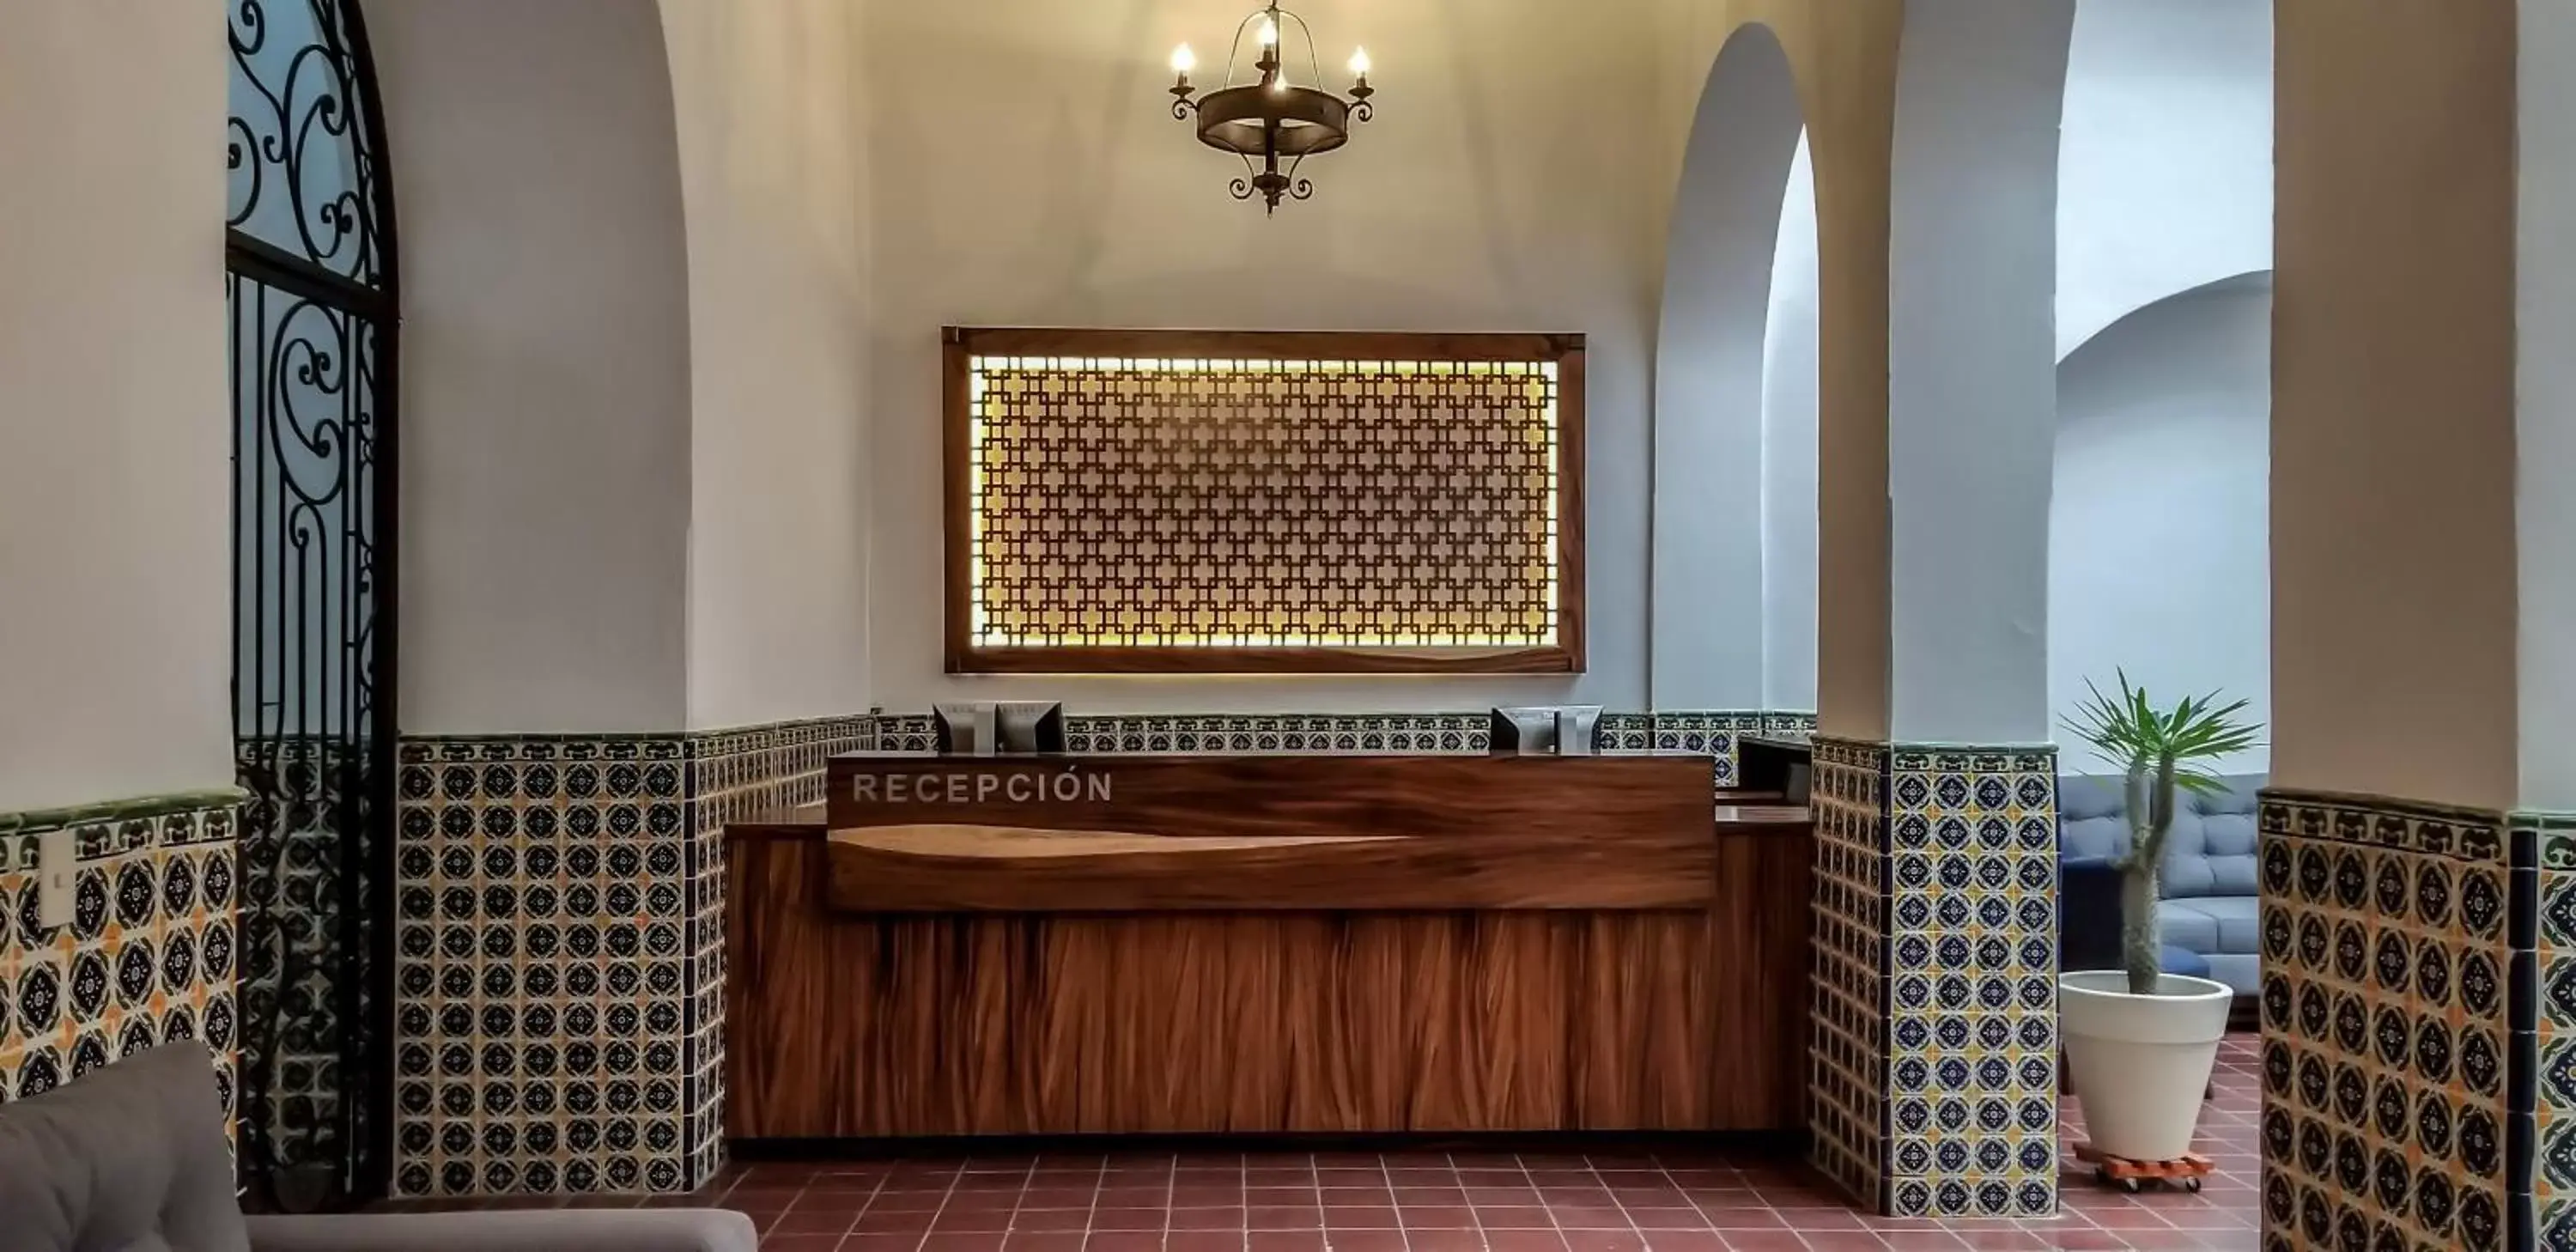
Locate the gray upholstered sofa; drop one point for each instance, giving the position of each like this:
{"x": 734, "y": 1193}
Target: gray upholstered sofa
{"x": 2208, "y": 886}
{"x": 131, "y": 1158}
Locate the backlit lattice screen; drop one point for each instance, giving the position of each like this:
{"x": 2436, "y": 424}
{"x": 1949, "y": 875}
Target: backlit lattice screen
{"x": 1234, "y": 507}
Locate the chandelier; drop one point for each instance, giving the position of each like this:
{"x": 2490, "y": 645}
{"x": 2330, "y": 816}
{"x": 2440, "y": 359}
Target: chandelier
{"x": 1270, "y": 120}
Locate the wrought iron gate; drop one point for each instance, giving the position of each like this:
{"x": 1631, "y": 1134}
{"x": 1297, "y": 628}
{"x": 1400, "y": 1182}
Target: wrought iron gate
{"x": 309, "y": 282}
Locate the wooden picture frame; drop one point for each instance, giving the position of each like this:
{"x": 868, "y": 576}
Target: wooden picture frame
{"x": 1564, "y": 654}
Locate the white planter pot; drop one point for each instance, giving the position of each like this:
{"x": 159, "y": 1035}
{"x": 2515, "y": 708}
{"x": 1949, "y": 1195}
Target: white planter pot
{"x": 2140, "y": 1064}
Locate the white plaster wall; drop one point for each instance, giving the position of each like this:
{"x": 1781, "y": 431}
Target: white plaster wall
{"x": 1709, "y": 563}
{"x": 770, "y": 113}
{"x": 2545, "y": 404}
{"x": 545, "y": 382}
{"x": 115, "y": 507}
{"x": 1789, "y": 398}
{"x": 2159, "y": 521}
{"x": 1971, "y": 367}
{"x": 1074, "y": 198}
{"x": 2165, "y": 164}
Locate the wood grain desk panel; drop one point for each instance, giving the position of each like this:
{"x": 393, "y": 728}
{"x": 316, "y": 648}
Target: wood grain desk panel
{"x": 1265, "y": 1019}
{"x": 934, "y": 835}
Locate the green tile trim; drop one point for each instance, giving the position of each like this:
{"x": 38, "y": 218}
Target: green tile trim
{"x": 25, "y": 821}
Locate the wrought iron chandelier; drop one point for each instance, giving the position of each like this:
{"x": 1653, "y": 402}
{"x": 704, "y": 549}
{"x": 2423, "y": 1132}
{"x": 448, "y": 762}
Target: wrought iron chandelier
{"x": 1269, "y": 119}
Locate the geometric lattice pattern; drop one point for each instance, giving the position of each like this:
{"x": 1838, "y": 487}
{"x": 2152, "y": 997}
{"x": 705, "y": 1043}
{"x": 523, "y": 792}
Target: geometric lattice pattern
{"x": 1193, "y": 503}
{"x": 2392, "y": 935}
{"x": 559, "y": 940}
{"x": 150, "y": 954}
{"x": 1934, "y": 1045}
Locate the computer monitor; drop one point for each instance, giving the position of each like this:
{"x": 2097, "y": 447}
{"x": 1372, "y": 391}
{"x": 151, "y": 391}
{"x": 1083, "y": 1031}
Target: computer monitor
{"x": 998, "y": 728}
{"x": 1544, "y": 730}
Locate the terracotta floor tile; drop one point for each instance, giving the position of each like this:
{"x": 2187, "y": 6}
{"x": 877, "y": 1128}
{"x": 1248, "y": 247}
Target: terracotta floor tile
{"x": 1130, "y": 1219}
{"x": 867, "y": 1242}
{"x": 1437, "y": 1217}
{"x": 1920, "y": 1241}
{"x": 1651, "y": 1219}
{"x": 965, "y": 1221}
{"x": 1361, "y": 1217}
{"x": 1207, "y": 1219}
{"x": 1284, "y": 1217}
{"x": 817, "y": 1222}
{"x": 1604, "y": 1241}
{"x": 1043, "y": 1241}
{"x": 1285, "y": 1241}
{"x": 977, "y": 1241}
{"x": 1036, "y": 1220}
{"x": 1124, "y": 1241}
{"x": 1514, "y": 1217}
{"x": 1365, "y": 1241}
{"x": 1524, "y": 1240}
{"x": 1843, "y": 1241}
{"x": 1685, "y": 1241}
{"x": 800, "y": 1243}
{"x": 1445, "y": 1240}
{"x": 1204, "y": 1241}
{"x": 1763, "y": 1241}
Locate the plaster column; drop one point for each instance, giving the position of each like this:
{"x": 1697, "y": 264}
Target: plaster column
{"x": 2415, "y": 933}
{"x": 1937, "y": 1058}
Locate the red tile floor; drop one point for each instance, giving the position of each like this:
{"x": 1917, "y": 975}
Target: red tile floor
{"x": 1403, "y": 1201}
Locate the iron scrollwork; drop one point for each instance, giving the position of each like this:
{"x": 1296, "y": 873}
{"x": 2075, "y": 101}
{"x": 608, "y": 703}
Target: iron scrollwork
{"x": 303, "y": 170}
{"x": 310, "y": 284}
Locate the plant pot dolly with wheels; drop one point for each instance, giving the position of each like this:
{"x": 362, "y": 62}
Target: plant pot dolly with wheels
{"x": 2140, "y": 1043}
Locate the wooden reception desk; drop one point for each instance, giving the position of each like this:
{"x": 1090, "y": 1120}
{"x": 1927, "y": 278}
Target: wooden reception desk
{"x": 1266, "y": 944}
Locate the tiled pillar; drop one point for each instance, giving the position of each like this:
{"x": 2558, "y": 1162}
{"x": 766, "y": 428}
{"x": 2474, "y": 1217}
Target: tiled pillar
{"x": 1935, "y": 1024}
{"x": 559, "y": 967}
{"x": 2397, "y": 961}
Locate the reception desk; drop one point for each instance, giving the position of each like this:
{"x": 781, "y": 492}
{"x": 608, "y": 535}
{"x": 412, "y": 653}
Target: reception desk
{"x": 1265, "y": 944}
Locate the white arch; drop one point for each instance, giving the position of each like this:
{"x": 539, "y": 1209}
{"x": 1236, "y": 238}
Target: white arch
{"x": 1706, "y": 645}
{"x": 2158, "y": 564}
{"x": 2165, "y": 161}
{"x": 1972, "y": 397}
{"x": 545, "y": 389}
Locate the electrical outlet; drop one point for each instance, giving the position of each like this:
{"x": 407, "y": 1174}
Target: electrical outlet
{"x": 57, "y": 877}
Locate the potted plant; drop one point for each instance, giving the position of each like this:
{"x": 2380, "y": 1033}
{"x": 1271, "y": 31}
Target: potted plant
{"x": 2140, "y": 1042}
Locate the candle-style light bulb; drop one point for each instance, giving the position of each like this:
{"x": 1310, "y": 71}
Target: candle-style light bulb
{"x": 1184, "y": 60}
{"x": 1359, "y": 63}
{"x": 1269, "y": 32}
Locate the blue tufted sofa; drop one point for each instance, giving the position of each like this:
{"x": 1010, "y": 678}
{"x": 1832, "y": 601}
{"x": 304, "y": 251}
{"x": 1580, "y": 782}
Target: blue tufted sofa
{"x": 2207, "y": 913}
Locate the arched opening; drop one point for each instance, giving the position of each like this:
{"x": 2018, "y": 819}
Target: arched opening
{"x": 1734, "y": 516}
{"x": 2164, "y": 229}
{"x": 310, "y": 284}
{"x": 2159, "y": 531}
{"x": 2157, "y": 564}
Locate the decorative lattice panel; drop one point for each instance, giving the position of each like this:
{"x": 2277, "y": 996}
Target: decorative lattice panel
{"x": 1139, "y": 501}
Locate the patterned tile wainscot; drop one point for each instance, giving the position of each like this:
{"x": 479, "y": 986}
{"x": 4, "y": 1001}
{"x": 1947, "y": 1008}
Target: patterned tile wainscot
{"x": 2552, "y": 1167}
{"x": 559, "y": 968}
{"x": 2395, "y": 1044}
{"x": 1935, "y": 1068}
{"x": 149, "y": 955}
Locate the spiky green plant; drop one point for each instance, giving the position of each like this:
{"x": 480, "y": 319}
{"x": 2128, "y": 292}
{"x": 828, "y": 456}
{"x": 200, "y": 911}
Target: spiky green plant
{"x": 2163, "y": 753}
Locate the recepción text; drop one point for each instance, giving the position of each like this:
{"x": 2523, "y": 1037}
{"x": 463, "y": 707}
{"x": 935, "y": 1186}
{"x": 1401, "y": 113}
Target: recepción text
{"x": 981, "y": 787}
